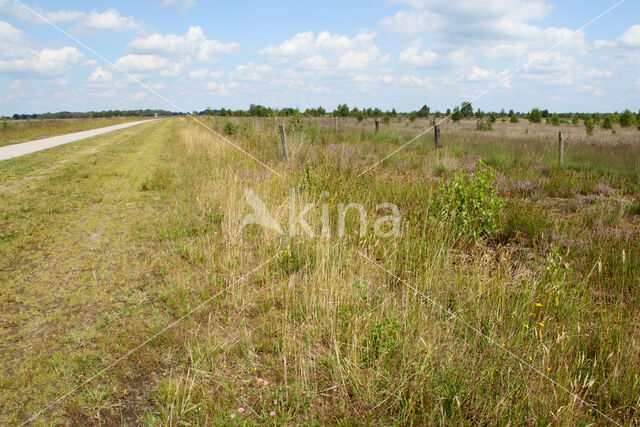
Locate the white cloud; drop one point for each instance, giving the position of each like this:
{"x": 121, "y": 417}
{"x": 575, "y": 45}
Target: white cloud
{"x": 90, "y": 23}
{"x": 479, "y": 74}
{"x": 631, "y": 37}
{"x": 100, "y": 75}
{"x": 252, "y": 72}
{"x": 50, "y": 62}
{"x": 414, "y": 56}
{"x": 217, "y": 88}
{"x": 308, "y": 44}
{"x": 178, "y": 4}
{"x": 12, "y": 41}
{"x": 150, "y": 64}
{"x": 193, "y": 45}
{"x": 327, "y": 52}
{"x": 108, "y": 21}
{"x": 316, "y": 62}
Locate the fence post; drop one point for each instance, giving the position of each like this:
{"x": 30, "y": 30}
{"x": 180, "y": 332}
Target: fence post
{"x": 560, "y": 148}
{"x": 283, "y": 137}
{"x": 336, "y": 124}
{"x": 436, "y": 135}
{"x": 377, "y": 125}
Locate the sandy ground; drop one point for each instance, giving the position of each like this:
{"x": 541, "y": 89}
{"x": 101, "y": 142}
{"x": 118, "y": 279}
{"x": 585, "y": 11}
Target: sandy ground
{"x": 21, "y": 149}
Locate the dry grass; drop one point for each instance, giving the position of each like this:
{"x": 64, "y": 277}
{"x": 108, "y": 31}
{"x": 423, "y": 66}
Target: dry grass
{"x": 320, "y": 334}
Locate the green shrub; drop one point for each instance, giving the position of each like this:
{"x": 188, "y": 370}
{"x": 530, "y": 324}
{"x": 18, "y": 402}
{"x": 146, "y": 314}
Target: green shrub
{"x": 589, "y": 126}
{"x": 608, "y": 122}
{"x": 470, "y": 203}
{"x": 295, "y": 123}
{"x": 627, "y": 119}
{"x": 484, "y": 125}
{"x": 555, "y": 120}
{"x": 535, "y": 116}
{"x": 575, "y": 119}
{"x": 514, "y": 119}
{"x": 230, "y": 128}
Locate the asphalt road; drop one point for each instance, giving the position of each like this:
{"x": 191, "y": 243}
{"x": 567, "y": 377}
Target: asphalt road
{"x": 17, "y": 150}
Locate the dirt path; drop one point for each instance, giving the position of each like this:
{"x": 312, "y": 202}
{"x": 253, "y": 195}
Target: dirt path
{"x": 17, "y": 150}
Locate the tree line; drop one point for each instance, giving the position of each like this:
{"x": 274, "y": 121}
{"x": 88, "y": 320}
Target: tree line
{"x": 93, "y": 114}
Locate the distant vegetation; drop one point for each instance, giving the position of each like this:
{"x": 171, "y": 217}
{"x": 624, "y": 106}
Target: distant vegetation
{"x": 93, "y": 114}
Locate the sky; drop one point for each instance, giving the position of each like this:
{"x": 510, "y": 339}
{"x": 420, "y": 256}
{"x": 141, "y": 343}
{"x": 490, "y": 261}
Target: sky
{"x": 197, "y": 54}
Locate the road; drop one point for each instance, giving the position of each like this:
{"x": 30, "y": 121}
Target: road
{"x": 17, "y": 150}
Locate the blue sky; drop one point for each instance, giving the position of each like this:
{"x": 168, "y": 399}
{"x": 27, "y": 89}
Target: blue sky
{"x": 385, "y": 53}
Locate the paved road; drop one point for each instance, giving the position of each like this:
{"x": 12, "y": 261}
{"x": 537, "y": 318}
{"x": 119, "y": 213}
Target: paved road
{"x": 23, "y": 148}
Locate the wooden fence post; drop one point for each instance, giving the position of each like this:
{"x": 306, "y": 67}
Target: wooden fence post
{"x": 560, "y": 148}
{"x": 283, "y": 137}
{"x": 377, "y": 125}
{"x": 436, "y": 135}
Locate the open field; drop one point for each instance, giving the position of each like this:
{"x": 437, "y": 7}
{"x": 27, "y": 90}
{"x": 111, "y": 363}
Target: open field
{"x": 16, "y": 131}
{"x": 105, "y": 242}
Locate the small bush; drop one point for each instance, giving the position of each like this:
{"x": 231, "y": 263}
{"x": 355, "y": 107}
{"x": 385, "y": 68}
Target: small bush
{"x": 515, "y": 119}
{"x": 555, "y": 120}
{"x": 484, "y": 125}
{"x": 607, "y": 123}
{"x": 589, "y": 126}
{"x": 470, "y": 203}
{"x": 627, "y": 119}
{"x": 230, "y": 128}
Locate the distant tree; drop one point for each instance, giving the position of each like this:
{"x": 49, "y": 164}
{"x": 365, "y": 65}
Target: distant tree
{"x": 588, "y": 124}
{"x": 627, "y": 119}
{"x": 555, "y": 120}
{"x": 479, "y": 114}
{"x": 424, "y": 112}
{"x": 448, "y": 112}
{"x": 607, "y": 123}
{"x": 575, "y": 119}
{"x": 545, "y": 113}
{"x": 413, "y": 116}
{"x": 503, "y": 113}
{"x": 466, "y": 109}
{"x": 394, "y": 113}
{"x": 341, "y": 111}
{"x": 457, "y": 114}
{"x": 514, "y": 119}
{"x": 511, "y": 113}
{"x": 596, "y": 118}
{"x": 535, "y": 116}
{"x": 493, "y": 117}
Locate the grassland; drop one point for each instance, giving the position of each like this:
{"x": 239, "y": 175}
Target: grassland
{"x": 16, "y": 131}
{"x": 105, "y": 242}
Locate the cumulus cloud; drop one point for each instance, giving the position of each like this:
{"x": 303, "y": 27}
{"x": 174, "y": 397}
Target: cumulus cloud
{"x": 49, "y": 62}
{"x": 100, "y": 75}
{"x": 17, "y": 55}
{"x": 193, "y": 45}
{"x": 109, "y": 21}
{"x": 86, "y": 22}
{"x": 498, "y": 28}
{"x": 415, "y": 56}
{"x": 328, "y": 51}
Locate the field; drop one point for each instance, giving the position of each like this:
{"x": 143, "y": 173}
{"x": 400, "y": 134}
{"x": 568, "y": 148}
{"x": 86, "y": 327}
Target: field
{"x": 131, "y": 293}
{"x": 16, "y": 131}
